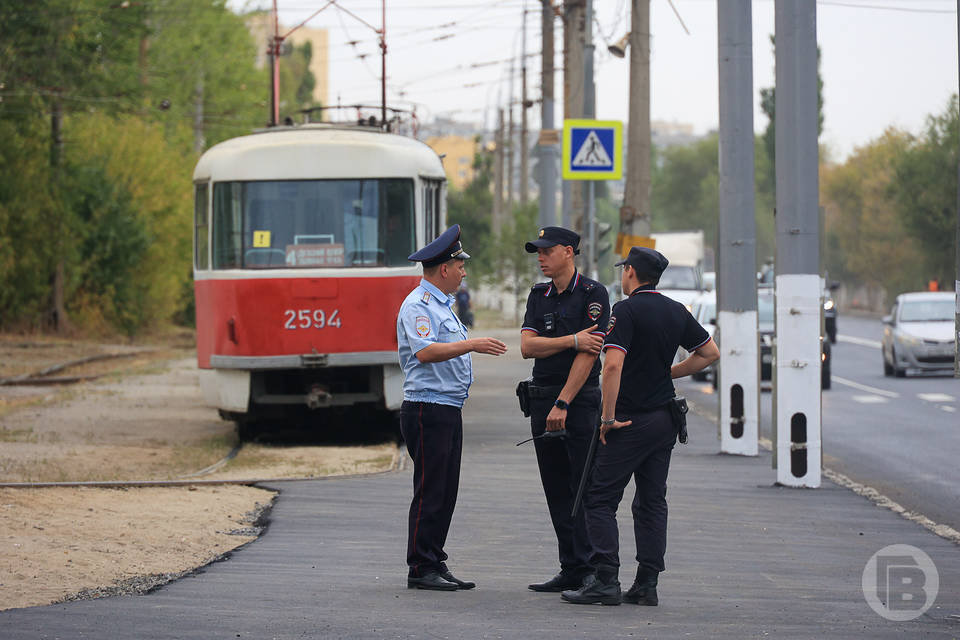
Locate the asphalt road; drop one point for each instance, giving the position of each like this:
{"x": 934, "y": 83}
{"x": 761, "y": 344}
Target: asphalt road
{"x": 898, "y": 435}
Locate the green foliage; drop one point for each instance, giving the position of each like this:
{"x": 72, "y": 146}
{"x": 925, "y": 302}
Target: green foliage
{"x": 106, "y": 214}
{"x": 684, "y": 189}
{"x": 471, "y": 208}
{"x": 925, "y": 192}
{"x": 867, "y": 241}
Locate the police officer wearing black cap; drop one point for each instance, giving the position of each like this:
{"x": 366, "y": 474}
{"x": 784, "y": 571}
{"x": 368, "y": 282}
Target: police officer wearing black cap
{"x": 560, "y": 329}
{"x": 435, "y": 356}
{"x": 637, "y": 430}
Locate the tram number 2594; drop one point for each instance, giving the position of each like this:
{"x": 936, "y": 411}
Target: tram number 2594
{"x": 311, "y": 318}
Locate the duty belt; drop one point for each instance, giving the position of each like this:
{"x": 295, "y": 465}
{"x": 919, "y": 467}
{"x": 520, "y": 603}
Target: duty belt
{"x": 553, "y": 391}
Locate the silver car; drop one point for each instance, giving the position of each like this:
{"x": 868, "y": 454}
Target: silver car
{"x": 918, "y": 334}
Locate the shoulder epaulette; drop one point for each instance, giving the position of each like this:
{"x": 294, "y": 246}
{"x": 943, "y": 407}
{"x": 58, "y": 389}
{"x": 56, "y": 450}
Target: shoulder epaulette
{"x": 540, "y": 285}
{"x": 588, "y": 285}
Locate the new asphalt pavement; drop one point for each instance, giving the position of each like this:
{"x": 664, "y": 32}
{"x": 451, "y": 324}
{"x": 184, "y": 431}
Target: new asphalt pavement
{"x": 745, "y": 558}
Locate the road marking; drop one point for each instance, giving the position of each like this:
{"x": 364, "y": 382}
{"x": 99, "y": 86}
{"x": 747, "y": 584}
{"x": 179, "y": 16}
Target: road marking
{"x": 863, "y": 387}
{"x": 936, "y": 397}
{"x": 871, "y": 399}
{"x": 863, "y": 342}
{"x": 948, "y": 408}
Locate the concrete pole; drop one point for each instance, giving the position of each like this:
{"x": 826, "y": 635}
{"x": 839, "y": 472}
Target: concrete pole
{"x": 498, "y": 177}
{"x": 548, "y": 153}
{"x": 796, "y": 377}
{"x": 573, "y": 30}
{"x": 956, "y": 284}
{"x": 589, "y": 113}
{"x": 509, "y": 149}
{"x": 635, "y": 212}
{"x": 524, "y": 152}
{"x": 739, "y": 384}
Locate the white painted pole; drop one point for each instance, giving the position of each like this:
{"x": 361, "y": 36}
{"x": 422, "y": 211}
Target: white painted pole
{"x": 796, "y": 371}
{"x": 739, "y": 367}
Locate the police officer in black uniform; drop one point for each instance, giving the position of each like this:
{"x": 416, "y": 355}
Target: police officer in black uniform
{"x": 637, "y": 429}
{"x": 561, "y": 330}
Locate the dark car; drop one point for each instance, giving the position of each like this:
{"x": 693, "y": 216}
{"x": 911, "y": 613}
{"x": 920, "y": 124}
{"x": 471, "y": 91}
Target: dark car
{"x": 830, "y": 311}
{"x": 767, "y": 337}
{"x": 765, "y": 329}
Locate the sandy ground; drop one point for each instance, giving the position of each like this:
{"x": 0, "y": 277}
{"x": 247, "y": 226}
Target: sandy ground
{"x": 142, "y": 420}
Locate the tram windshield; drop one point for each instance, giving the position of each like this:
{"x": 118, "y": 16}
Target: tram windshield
{"x": 313, "y": 223}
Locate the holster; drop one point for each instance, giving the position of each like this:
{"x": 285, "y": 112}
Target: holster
{"x": 678, "y": 411}
{"x": 523, "y": 395}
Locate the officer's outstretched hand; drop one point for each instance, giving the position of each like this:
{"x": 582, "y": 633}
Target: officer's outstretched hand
{"x": 489, "y": 346}
{"x": 588, "y": 342}
{"x": 604, "y": 428}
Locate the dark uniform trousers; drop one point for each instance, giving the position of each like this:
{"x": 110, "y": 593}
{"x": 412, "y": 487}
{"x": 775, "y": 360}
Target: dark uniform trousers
{"x": 561, "y": 465}
{"x": 434, "y": 437}
{"x": 642, "y": 451}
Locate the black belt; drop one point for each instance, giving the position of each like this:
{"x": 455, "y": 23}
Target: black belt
{"x": 554, "y": 390}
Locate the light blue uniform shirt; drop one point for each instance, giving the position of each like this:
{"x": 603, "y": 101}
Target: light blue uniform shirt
{"x": 426, "y": 316}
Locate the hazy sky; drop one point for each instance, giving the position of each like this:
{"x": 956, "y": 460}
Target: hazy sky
{"x": 884, "y": 62}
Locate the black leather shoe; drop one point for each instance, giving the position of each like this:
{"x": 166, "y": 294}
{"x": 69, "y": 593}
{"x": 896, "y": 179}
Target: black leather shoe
{"x": 461, "y": 584}
{"x": 594, "y": 592}
{"x": 557, "y": 583}
{"x": 433, "y": 581}
{"x": 644, "y": 589}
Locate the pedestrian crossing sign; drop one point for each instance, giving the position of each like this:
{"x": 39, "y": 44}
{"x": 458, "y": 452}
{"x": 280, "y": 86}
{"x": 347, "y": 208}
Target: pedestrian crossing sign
{"x": 592, "y": 150}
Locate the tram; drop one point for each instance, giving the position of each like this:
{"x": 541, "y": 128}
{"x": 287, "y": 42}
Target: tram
{"x": 301, "y": 238}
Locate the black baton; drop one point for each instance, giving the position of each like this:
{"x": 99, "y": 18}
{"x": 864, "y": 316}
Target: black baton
{"x": 587, "y": 465}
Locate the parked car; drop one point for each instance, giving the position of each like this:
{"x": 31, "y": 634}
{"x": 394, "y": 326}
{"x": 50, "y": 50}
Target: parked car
{"x": 767, "y": 336}
{"x": 918, "y": 334}
{"x": 765, "y": 328}
{"x": 704, "y": 309}
{"x": 830, "y": 311}
{"x": 681, "y": 283}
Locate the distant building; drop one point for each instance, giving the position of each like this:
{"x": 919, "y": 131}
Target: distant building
{"x": 260, "y": 26}
{"x": 457, "y": 153}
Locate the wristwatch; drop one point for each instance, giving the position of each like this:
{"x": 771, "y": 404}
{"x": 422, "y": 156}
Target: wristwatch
{"x": 560, "y": 404}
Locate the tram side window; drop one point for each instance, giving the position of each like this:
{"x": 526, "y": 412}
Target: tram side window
{"x": 200, "y": 222}
{"x": 227, "y": 225}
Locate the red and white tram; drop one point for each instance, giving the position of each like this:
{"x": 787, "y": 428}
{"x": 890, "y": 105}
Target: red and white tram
{"x": 301, "y": 238}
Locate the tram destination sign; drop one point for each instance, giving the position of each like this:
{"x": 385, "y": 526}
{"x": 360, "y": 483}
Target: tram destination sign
{"x": 592, "y": 150}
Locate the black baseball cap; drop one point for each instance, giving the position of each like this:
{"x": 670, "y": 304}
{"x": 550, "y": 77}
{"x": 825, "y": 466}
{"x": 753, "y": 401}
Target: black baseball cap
{"x": 644, "y": 260}
{"x": 550, "y": 236}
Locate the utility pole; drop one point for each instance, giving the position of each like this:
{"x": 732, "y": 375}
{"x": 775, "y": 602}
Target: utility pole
{"x": 548, "y": 165}
{"x": 738, "y": 370}
{"x": 524, "y": 154}
{"x": 573, "y": 25}
{"x": 199, "y": 142}
{"x": 589, "y": 113}
{"x": 635, "y": 212}
{"x": 498, "y": 176}
{"x": 798, "y": 306}
{"x": 508, "y": 147}
{"x": 956, "y": 284}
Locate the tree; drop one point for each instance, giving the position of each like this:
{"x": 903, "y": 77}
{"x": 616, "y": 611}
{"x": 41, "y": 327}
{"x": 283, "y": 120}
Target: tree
{"x": 471, "y": 209}
{"x": 868, "y": 240}
{"x": 925, "y": 191}
{"x": 63, "y": 55}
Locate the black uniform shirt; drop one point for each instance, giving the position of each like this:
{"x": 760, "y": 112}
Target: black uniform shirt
{"x": 552, "y": 314}
{"x": 648, "y": 327}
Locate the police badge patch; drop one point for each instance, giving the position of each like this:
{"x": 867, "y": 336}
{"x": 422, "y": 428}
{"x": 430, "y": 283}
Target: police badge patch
{"x": 613, "y": 321}
{"x": 594, "y": 309}
{"x": 423, "y": 326}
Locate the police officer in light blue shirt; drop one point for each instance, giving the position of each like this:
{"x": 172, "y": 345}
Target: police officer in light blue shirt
{"x": 434, "y": 353}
